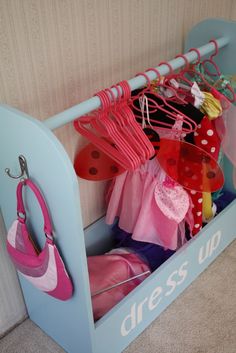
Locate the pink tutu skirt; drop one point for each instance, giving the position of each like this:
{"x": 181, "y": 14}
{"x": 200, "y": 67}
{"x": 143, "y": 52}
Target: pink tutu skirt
{"x": 131, "y": 198}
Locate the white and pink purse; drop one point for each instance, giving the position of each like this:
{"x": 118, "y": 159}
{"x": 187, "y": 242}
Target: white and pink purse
{"x": 44, "y": 269}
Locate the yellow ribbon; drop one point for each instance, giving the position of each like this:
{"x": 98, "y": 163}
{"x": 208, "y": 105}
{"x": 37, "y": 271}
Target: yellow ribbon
{"x": 211, "y": 106}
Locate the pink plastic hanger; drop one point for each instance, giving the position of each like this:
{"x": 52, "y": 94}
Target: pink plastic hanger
{"x": 162, "y": 83}
{"x": 178, "y": 74}
{"x": 98, "y": 130}
{"x": 180, "y": 83}
{"x": 82, "y": 125}
{"x": 120, "y": 140}
{"x": 168, "y": 77}
{"x": 172, "y": 114}
{"x": 117, "y": 120}
{"x": 131, "y": 127}
{"x": 212, "y": 62}
{"x": 139, "y": 137}
{"x": 203, "y": 84}
{"x": 206, "y": 85}
{"x": 120, "y": 118}
{"x": 192, "y": 71}
{"x": 217, "y": 72}
{"x": 169, "y": 66}
{"x": 114, "y": 129}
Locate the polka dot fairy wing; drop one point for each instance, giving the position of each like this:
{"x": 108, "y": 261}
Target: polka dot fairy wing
{"x": 93, "y": 164}
{"x": 190, "y": 166}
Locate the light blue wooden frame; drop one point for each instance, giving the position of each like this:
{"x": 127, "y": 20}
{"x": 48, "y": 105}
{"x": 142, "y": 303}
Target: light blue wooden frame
{"x": 70, "y": 323}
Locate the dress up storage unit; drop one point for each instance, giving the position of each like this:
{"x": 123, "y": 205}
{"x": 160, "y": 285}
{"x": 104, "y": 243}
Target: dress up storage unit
{"x": 71, "y": 323}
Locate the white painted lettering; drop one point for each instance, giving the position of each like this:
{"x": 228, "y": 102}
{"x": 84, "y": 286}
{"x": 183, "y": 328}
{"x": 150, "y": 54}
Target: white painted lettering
{"x": 140, "y": 311}
{"x": 211, "y": 245}
{"x": 201, "y": 256}
{"x": 215, "y": 241}
{"x": 131, "y": 319}
{"x": 135, "y": 317}
{"x": 171, "y": 283}
{"x": 155, "y": 294}
{"x": 182, "y": 273}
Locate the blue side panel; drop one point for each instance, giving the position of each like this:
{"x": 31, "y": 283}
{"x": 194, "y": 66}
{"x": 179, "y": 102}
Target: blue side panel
{"x": 131, "y": 316}
{"x": 69, "y": 323}
{"x": 98, "y": 238}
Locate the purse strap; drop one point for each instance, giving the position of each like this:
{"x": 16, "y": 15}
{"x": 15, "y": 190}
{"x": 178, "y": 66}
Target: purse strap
{"x": 21, "y": 209}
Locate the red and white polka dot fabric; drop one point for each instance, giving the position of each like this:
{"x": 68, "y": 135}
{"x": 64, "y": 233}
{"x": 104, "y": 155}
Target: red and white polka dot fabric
{"x": 197, "y": 210}
{"x": 206, "y": 138}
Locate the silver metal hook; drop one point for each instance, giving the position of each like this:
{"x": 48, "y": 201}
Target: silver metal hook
{"x": 24, "y": 169}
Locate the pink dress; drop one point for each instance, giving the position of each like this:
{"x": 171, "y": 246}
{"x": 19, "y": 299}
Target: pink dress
{"x": 134, "y": 197}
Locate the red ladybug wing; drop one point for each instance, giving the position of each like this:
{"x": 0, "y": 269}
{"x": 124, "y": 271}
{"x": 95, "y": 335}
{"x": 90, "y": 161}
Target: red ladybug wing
{"x": 93, "y": 164}
{"x": 190, "y": 166}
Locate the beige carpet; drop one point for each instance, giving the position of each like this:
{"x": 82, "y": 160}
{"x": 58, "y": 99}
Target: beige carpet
{"x": 201, "y": 320}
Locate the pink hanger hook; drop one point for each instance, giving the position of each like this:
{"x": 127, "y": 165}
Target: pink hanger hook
{"x": 112, "y": 96}
{"x": 105, "y": 101}
{"x": 144, "y": 146}
{"x": 184, "y": 58}
{"x": 122, "y": 140}
{"x": 166, "y": 86}
{"x": 211, "y": 61}
{"x": 169, "y": 66}
{"x": 146, "y": 77}
{"x": 119, "y": 93}
{"x": 216, "y": 48}
{"x": 156, "y": 72}
{"x": 198, "y": 54}
{"x": 126, "y": 90}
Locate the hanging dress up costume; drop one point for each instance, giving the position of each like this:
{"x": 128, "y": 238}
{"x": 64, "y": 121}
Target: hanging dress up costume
{"x": 149, "y": 206}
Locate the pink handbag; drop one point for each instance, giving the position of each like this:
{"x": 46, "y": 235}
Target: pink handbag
{"x": 44, "y": 269}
